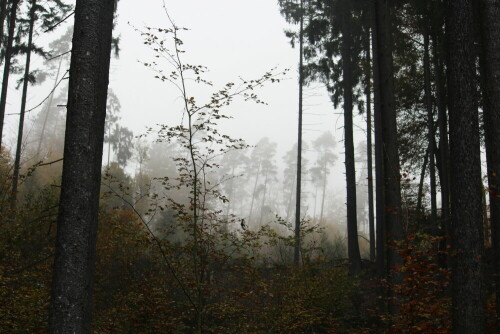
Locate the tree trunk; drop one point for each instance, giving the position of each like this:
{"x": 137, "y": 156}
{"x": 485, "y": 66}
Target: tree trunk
{"x": 253, "y": 193}
{"x": 379, "y": 158}
{"x": 430, "y": 126}
{"x": 263, "y": 201}
{"x": 17, "y": 161}
{"x": 490, "y": 31}
{"x": 3, "y": 15}
{"x": 290, "y": 198}
{"x": 369, "y": 153}
{"x": 47, "y": 113}
{"x": 421, "y": 184}
{"x": 392, "y": 190}
{"x": 71, "y": 300}
{"x": 467, "y": 214}
{"x": 296, "y": 251}
{"x": 352, "y": 224}
{"x": 8, "y": 60}
{"x": 443, "y": 136}
{"x": 325, "y": 181}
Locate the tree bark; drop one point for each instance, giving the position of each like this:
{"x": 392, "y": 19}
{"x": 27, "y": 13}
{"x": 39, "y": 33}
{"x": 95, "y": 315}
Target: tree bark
{"x": 430, "y": 128}
{"x": 8, "y": 60}
{"x": 3, "y": 15}
{"x": 379, "y": 158}
{"x": 467, "y": 214}
{"x": 352, "y": 224}
{"x": 296, "y": 251}
{"x": 490, "y": 63}
{"x": 392, "y": 190}
{"x": 369, "y": 152}
{"x": 421, "y": 184}
{"x": 71, "y": 299}
{"x": 444, "y": 155}
{"x": 17, "y": 160}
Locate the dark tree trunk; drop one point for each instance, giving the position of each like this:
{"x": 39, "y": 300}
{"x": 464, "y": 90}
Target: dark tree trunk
{"x": 421, "y": 184}
{"x": 369, "y": 153}
{"x": 490, "y": 31}
{"x": 393, "y": 224}
{"x": 467, "y": 213}
{"x": 444, "y": 155}
{"x": 296, "y": 252}
{"x": 379, "y": 158}
{"x": 8, "y": 59}
{"x": 430, "y": 129}
{"x": 17, "y": 161}
{"x": 71, "y": 302}
{"x": 352, "y": 225}
{"x": 3, "y": 15}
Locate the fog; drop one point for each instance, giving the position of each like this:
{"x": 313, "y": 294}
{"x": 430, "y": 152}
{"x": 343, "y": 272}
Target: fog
{"x": 235, "y": 40}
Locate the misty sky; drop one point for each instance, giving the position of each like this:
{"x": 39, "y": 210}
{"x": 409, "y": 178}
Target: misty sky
{"x": 233, "y": 38}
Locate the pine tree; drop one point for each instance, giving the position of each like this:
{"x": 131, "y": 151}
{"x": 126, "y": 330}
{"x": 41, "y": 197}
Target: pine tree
{"x": 70, "y": 309}
{"x": 466, "y": 201}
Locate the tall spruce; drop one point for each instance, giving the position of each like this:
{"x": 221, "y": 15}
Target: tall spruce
{"x": 430, "y": 121}
{"x": 393, "y": 227}
{"x": 3, "y": 16}
{"x": 71, "y": 299}
{"x": 7, "y": 63}
{"x": 296, "y": 251}
{"x": 19, "y": 147}
{"x": 381, "y": 256}
{"x": 369, "y": 145}
{"x": 490, "y": 63}
{"x": 466, "y": 200}
{"x": 347, "y": 82}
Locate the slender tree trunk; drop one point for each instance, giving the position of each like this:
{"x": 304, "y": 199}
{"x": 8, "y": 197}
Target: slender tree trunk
{"x": 392, "y": 189}
{"x": 109, "y": 147}
{"x": 253, "y": 193}
{"x": 443, "y": 137}
{"x": 17, "y": 161}
{"x": 296, "y": 251}
{"x": 47, "y": 113}
{"x": 490, "y": 14}
{"x": 290, "y": 199}
{"x": 71, "y": 300}
{"x": 467, "y": 214}
{"x": 379, "y": 158}
{"x": 315, "y": 203}
{"x": 263, "y": 201}
{"x": 230, "y": 195}
{"x": 430, "y": 126}
{"x": 369, "y": 149}
{"x": 352, "y": 224}
{"x": 8, "y": 60}
{"x": 3, "y": 15}
{"x": 421, "y": 184}
{"x": 325, "y": 181}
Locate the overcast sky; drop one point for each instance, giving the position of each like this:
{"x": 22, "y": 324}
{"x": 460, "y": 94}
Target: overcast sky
{"x": 233, "y": 38}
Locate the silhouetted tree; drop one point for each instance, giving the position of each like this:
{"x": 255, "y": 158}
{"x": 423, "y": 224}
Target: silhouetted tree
{"x": 70, "y": 309}
{"x": 466, "y": 199}
{"x": 490, "y": 64}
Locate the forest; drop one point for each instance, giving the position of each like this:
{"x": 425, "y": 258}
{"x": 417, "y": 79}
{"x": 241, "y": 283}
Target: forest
{"x": 389, "y": 223}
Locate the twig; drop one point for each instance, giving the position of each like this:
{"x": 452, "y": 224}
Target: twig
{"x": 58, "y": 23}
{"x": 62, "y": 54}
